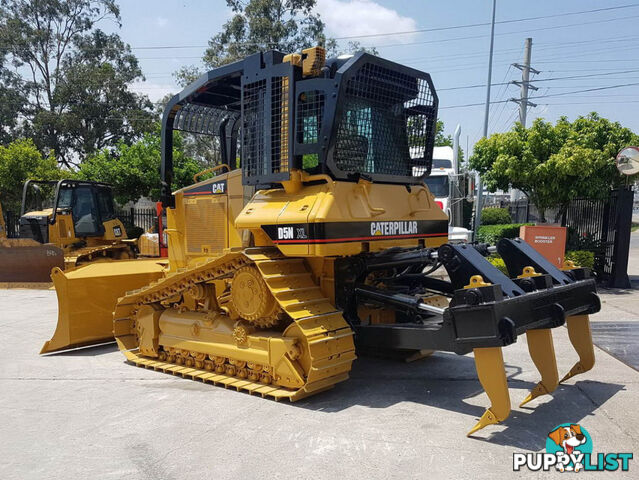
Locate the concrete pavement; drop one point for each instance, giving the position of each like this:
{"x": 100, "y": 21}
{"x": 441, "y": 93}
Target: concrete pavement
{"x": 88, "y": 414}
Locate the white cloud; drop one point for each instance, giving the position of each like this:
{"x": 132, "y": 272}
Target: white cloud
{"x": 155, "y": 91}
{"x": 349, "y": 18}
{"x": 161, "y": 22}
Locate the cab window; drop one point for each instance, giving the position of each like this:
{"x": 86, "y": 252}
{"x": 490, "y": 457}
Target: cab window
{"x": 65, "y": 198}
{"x": 438, "y": 186}
{"x": 441, "y": 163}
{"x": 105, "y": 204}
{"x": 85, "y": 212}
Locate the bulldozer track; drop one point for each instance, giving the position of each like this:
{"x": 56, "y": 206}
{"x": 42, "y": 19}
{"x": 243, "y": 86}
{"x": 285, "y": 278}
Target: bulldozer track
{"x": 77, "y": 257}
{"x": 325, "y": 339}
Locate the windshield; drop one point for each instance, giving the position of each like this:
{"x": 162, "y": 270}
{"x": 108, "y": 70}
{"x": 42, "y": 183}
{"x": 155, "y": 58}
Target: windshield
{"x": 105, "y": 204}
{"x": 441, "y": 163}
{"x": 438, "y": 186}
{"x": 85, "y": 213}
{"x": 385, "y": 121}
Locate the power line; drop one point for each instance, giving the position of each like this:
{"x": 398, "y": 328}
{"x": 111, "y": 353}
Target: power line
{"x": 594, "y": 102}
{"x": 424, "y": 30}
{"x": 511, "y": 118}
{"x": 516, "y": 32}
{"x": 500, "y": 95}
{"x": 570, "y": 77}
{"x": 515, "y": 20}
{"x": 545, "y": 96}
{"x": 589, "y": 90}
{"x": 541, "y": 46}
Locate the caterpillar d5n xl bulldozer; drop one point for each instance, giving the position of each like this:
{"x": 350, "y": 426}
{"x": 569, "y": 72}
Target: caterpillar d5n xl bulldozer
{"x": 318, "y": 237}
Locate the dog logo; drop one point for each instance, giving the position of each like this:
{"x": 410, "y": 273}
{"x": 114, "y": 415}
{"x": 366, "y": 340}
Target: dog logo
{"x": 569, "y": 449}
{"x": 571, "y": 439}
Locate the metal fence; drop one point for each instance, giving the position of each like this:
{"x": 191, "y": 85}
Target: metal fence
{"x": 522, "y": 211}
{"x": 11, "y": 220}
{"x": 600, "y": 226}
{"x": 143, "y": 218}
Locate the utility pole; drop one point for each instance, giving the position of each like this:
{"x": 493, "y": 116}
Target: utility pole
{"x": 480, "y": 184}
{"x": 524, "y": 103}
{"x": 524, "y": 84}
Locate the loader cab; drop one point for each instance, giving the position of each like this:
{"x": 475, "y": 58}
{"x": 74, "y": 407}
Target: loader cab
{"x": 65, "y": 211}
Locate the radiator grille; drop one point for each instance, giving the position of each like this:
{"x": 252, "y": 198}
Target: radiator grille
{"x": 206, "y": 225}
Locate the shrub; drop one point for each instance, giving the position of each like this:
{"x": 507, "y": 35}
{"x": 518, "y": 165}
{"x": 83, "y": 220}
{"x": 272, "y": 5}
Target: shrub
{"x": 132, "y": 231}
{"x": 585, "y": 241}
{"x": 495, "y": 216}
{"x": 499, "y": 263}
{"x": 491, "y": 234}
{"x": 581, "y": 258}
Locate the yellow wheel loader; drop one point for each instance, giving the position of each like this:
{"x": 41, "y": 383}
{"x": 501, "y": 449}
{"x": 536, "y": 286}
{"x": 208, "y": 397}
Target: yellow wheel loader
{"x": 322, "y": 239}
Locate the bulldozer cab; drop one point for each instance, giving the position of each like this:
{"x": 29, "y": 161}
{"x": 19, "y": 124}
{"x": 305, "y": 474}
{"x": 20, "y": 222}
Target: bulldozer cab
{"x": 351, "y": 118}
{"x": 79, "y": 209}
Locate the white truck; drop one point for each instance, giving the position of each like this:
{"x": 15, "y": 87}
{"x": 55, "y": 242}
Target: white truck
{"x": 443, "y": 184}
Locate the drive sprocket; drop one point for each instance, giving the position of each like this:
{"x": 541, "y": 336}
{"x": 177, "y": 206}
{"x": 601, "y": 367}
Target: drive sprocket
{"x": 251, "y": 299}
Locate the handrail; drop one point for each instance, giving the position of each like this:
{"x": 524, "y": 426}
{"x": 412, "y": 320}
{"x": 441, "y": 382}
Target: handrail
{"x": 211, "y": 170}
{"x": 373, "y": 210}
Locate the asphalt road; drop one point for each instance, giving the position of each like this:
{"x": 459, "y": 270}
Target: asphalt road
{"x": 88, "y": 414}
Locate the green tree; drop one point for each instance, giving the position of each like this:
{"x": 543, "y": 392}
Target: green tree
{"x": 12, "y": 101}
{"x": 134, "y": 170}
{"x": 259, "y": 25}
{"x": 443, "y": 140}
{"x": 21, "y": 160}
{"x": 355, "y": 47}
{"x": 76, "y": 77}
{"x": 553, "y": 164}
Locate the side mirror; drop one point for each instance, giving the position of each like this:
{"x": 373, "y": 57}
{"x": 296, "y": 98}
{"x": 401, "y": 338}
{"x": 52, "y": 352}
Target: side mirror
{"x": 628, "y": 161}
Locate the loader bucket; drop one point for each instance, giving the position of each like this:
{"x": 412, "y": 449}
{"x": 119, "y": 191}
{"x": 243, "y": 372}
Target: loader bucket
{"x": 87, "y": 297}
{"x": 24, "y": 261}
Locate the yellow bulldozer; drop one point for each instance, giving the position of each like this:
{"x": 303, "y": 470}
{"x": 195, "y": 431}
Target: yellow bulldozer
{"x": 65, "y": 224}
{"x": 315, "y": 237}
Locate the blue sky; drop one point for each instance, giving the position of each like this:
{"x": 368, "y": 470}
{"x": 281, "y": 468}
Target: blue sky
{"x": 601, "y": 45}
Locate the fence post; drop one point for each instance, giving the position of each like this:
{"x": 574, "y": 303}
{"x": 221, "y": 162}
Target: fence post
{"x": 623, "y": 226}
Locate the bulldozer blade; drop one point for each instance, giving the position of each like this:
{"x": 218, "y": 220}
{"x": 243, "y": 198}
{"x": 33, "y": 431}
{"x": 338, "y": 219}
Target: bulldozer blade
{"x": 489, "y": 363}
{"x": 542, "y": 352}
{"x": 87, "y": 296}
{"x": 581, "y": 339}
{"x": 27, "y": 261}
